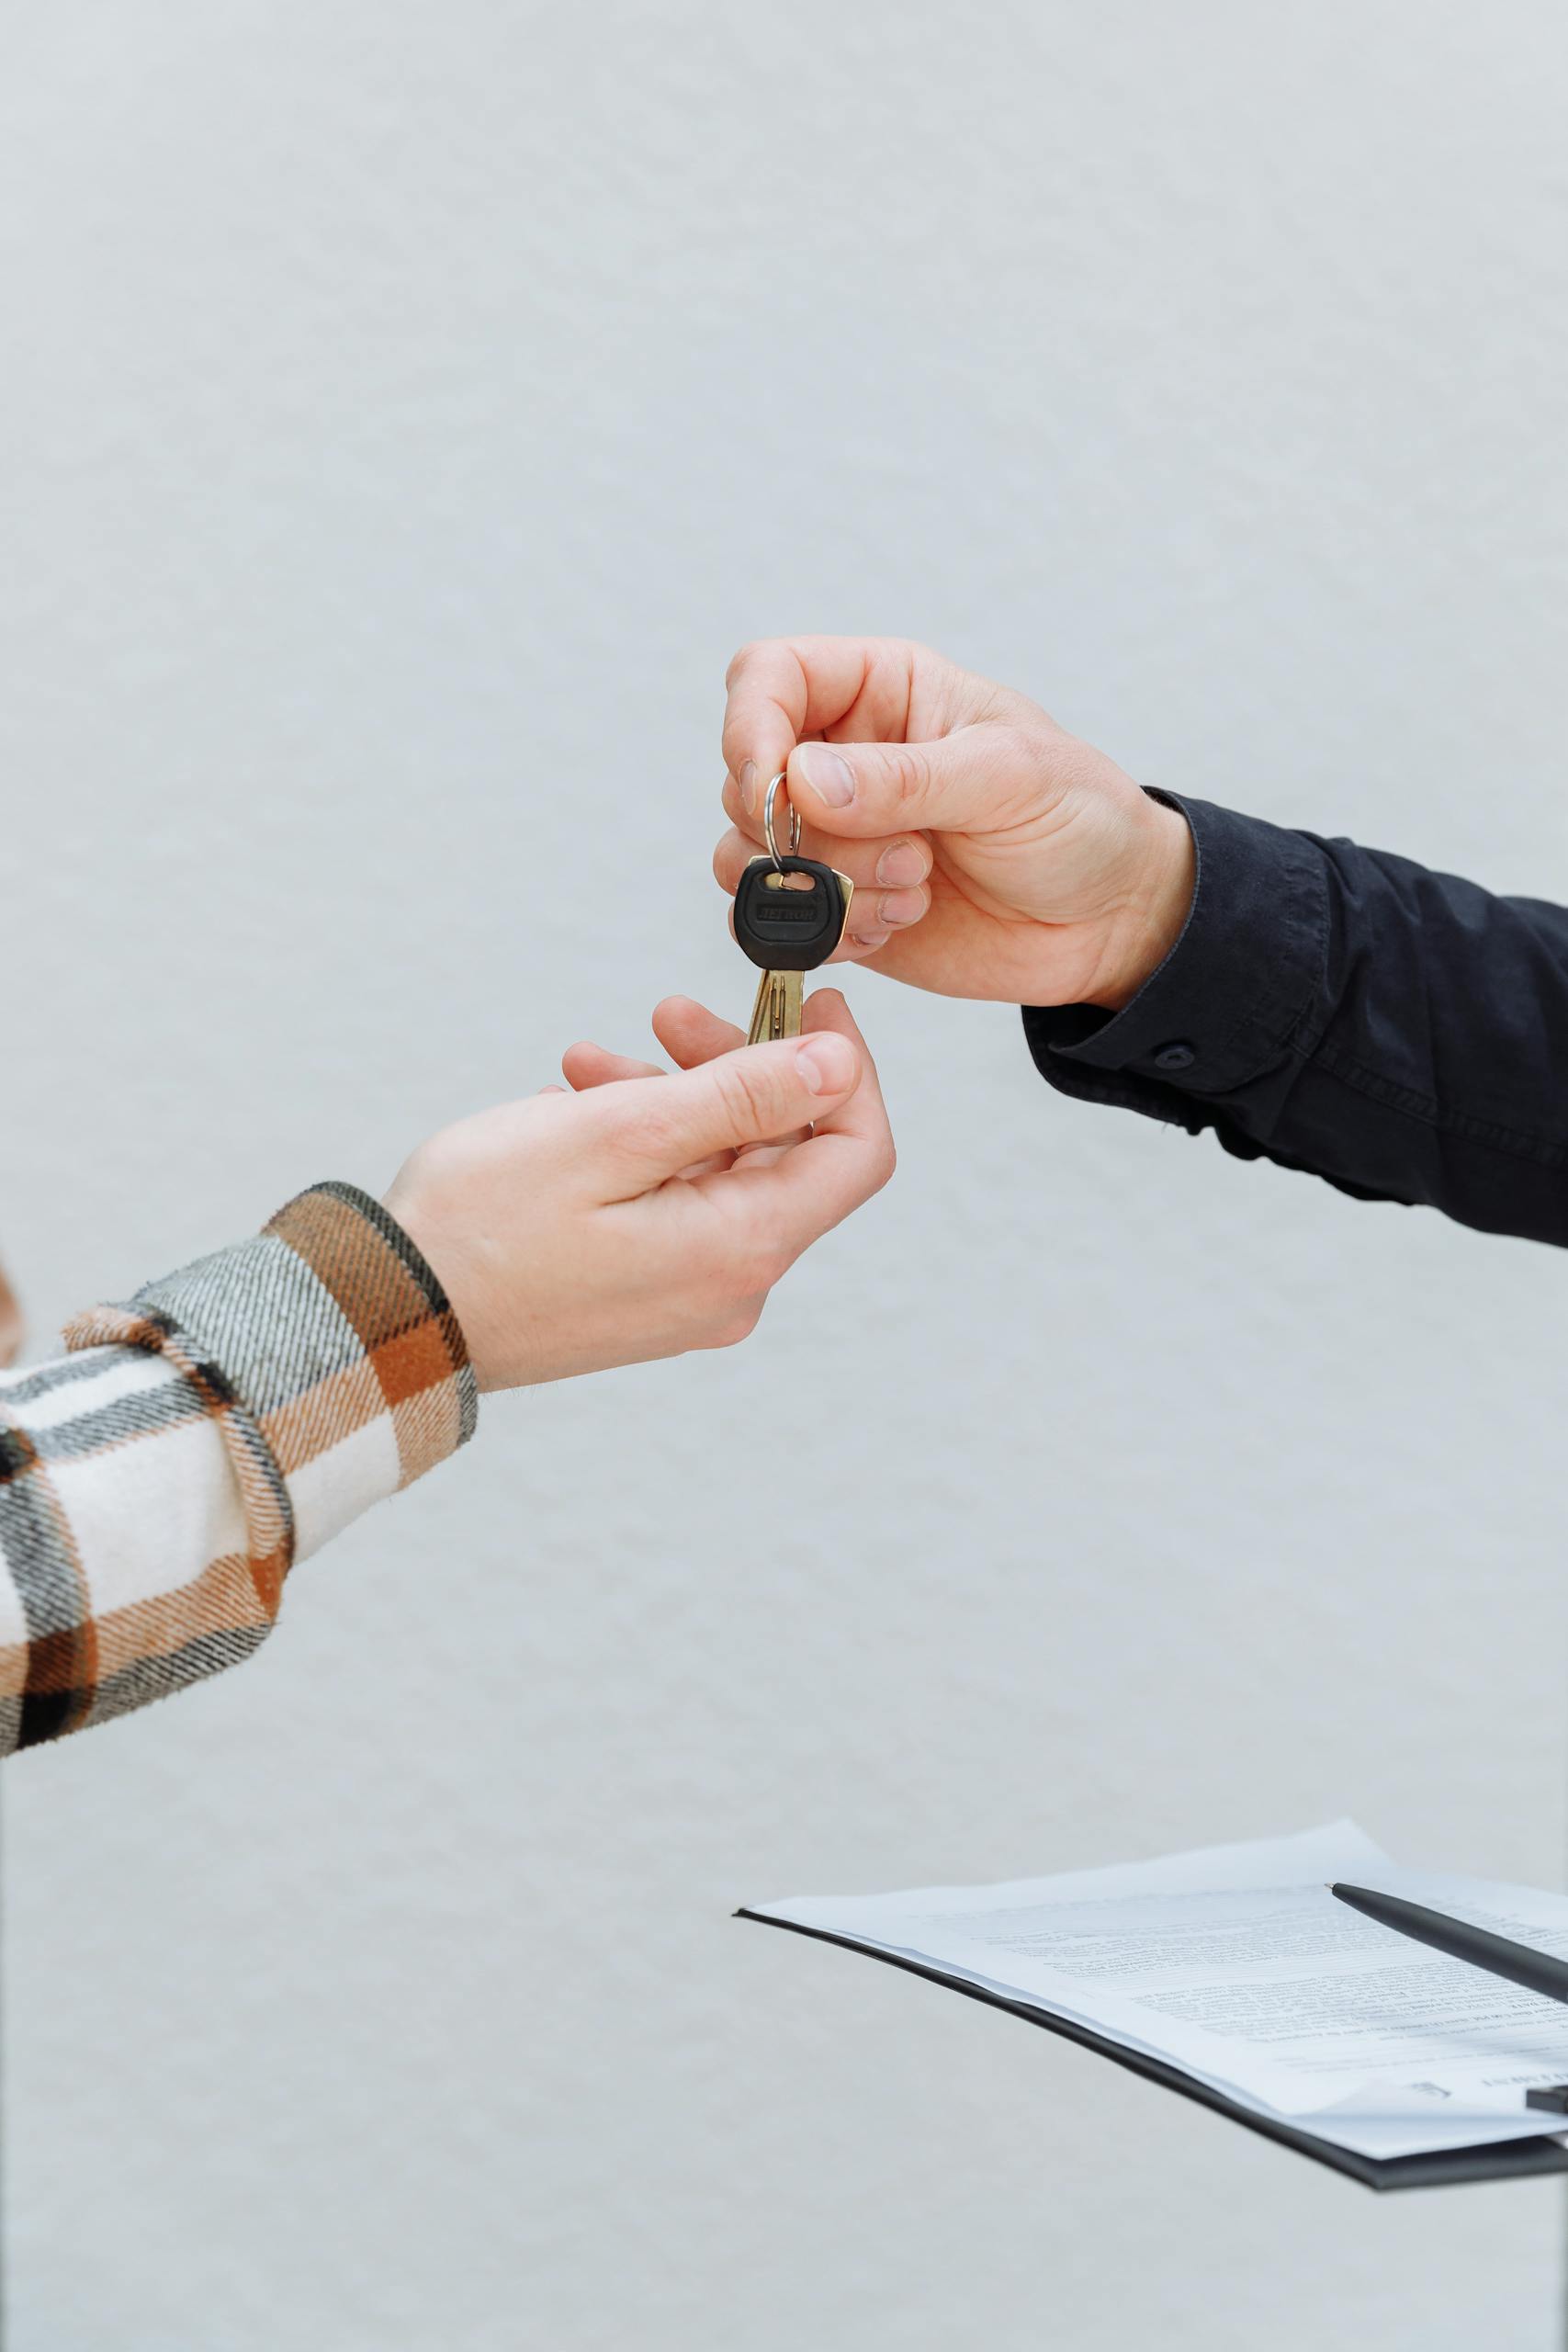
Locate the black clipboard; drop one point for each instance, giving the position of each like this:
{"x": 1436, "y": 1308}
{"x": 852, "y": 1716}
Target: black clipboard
{"x": 1442, "y": 2168}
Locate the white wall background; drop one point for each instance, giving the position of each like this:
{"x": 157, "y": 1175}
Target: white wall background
{"x": 407, "y": 410}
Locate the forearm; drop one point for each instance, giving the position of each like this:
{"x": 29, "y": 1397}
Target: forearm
{"x": 161, "y": 1479}
{"x": 1401, "y": 1032}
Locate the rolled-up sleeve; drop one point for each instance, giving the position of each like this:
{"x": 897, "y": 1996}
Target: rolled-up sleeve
{"x": 158, "y": 1482}
{"x": 1401, "y": 1032}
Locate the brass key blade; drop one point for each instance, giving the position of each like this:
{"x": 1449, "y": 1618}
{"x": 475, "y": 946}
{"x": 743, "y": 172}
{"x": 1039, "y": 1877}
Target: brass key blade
{"x": 776, "y": 1012}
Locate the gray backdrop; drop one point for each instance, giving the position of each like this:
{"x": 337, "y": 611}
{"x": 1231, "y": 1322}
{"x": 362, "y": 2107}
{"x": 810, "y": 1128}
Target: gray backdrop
{"x": 408, "y": 411}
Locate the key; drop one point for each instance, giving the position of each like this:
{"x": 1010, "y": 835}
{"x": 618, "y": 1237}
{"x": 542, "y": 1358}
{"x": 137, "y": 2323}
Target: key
{"x": 789, "y": 916}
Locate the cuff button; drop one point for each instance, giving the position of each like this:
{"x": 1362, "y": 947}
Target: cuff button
{"x": 1178, "y": 1055}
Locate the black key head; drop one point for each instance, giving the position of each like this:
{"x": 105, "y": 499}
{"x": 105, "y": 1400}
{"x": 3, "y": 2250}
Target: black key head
{"x": 785, "y": 925}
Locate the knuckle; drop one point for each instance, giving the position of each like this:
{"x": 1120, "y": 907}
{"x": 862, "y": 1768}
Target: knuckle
{"x": 1004, "y": 744}
{"x": 759, "y": 1259}
{"x": 1013, "y": 750}
{"x": 742, "y": 659}
{"x": 749, "y": 1093}
{"x": 770, "y": 1262}
{"x": 908, "y": 772}
{"x": 737, "y": 1324}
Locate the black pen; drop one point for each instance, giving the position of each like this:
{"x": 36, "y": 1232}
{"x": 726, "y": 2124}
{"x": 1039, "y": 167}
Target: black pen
{"x": 1538, "y": 1971}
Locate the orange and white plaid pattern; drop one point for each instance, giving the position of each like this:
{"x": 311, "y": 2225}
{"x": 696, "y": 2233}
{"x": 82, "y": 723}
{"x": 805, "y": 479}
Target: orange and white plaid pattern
{"x": 158, "y": 1483}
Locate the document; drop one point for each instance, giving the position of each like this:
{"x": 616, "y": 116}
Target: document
{"x": 1236, "y": 1966}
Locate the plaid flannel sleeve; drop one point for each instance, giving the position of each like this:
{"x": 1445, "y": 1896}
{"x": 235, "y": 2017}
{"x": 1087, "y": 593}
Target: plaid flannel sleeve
{"x": 158, "y": 1483}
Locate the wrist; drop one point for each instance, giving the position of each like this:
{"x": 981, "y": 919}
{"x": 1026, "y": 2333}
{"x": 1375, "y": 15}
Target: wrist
{"x": 1158, "y": 903}
{"x": 450, "y": 1257}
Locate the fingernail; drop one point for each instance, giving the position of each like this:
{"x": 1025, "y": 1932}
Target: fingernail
{"x": 747, "y": 780}
{"x": 829, "y": 1063}
{"x": 901, "y": 906}
{"x": 826, "y": 774}
{"x": 869, "y": 941}
{"x": 903, "y": 862}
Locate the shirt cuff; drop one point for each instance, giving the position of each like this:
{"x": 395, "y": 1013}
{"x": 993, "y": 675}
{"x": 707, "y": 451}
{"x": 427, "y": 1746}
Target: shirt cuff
{"x": 1234, "y": 993}
{"x": 329, "y": 1354}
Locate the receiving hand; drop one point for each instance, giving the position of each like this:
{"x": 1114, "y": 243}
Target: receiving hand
{"x": 626, "y": 1221}
{"x": 992, "y": 854}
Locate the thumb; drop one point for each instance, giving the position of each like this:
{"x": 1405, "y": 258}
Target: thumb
{"x": 753, "y": 1095}
{"x": 962, "y": 782}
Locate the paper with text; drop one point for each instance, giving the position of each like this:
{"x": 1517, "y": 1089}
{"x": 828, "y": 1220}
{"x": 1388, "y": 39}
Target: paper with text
{"x": 1236, "y": 1964}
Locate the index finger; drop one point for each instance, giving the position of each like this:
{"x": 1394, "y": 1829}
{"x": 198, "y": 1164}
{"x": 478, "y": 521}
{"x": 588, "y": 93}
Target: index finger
{"x": 782, "y": 690}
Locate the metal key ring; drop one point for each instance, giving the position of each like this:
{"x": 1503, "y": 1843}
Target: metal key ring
{"x": 768, "y": 823}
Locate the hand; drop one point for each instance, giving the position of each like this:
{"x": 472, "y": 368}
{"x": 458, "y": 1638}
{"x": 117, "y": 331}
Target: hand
{"x": 627, "y": 1221}
{"x": 992, "y": 854}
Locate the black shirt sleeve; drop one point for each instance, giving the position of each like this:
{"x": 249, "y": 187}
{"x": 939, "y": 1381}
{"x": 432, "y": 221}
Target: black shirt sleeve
{"x": 1341, "y": 1011}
